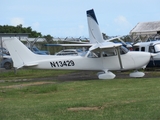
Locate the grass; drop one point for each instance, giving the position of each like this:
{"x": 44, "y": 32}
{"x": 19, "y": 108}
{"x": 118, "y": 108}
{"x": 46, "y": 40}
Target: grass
{"x": 117, "y": 99}
{"x": 31, "y": 73}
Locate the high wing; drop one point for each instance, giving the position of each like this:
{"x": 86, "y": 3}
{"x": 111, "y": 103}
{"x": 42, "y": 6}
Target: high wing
{"x": 70, "y": 45}
{"x": 105, "y": 45}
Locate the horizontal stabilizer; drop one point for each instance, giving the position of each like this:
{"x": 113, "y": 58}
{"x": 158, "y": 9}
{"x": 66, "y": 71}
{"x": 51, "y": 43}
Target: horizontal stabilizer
{"x": 30, "y": 64}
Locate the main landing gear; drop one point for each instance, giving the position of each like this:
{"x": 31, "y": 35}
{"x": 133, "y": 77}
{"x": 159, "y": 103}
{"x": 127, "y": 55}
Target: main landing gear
{"x": 106, "y": 75}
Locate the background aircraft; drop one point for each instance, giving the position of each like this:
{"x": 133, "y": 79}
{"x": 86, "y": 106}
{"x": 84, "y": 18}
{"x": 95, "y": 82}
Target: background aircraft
{"x": 103, "y": 56}
{"x": 152, "y": 47}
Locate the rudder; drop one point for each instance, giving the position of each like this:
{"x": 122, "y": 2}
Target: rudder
{"x": 95, "y": 34}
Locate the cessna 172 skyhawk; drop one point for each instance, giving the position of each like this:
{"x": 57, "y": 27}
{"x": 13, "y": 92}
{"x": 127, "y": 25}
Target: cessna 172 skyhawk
{"x": 102, "y": 56}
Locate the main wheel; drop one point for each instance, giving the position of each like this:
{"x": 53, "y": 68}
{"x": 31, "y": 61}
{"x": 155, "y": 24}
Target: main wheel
{"x": 7, "y": 65}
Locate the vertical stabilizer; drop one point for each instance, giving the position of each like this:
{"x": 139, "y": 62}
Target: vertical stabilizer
{"x": 95, "y": 34}
{"x": 20, "y": 54}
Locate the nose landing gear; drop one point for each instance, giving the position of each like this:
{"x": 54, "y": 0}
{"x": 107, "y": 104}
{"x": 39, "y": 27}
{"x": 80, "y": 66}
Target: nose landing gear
{"x": 136, "y": 74}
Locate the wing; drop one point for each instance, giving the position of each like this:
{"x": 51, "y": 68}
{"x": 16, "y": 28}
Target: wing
{"x": 104, "y": 45}
{"x": 70, "y": 45}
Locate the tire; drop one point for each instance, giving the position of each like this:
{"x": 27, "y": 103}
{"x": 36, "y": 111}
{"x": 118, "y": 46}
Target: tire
{"x": 7, "y": 65}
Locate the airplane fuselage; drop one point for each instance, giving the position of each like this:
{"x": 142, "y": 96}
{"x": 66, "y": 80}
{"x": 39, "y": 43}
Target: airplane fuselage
{"x": 129, "y": 60}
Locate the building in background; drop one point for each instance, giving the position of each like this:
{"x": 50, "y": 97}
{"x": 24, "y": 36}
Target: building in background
{"x": 146, "y": 31}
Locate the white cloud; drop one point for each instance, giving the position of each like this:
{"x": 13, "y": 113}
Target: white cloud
{"x": 122, "y": 21}
{"x": 16, "y": 21}
{"x": 122, "y": 24}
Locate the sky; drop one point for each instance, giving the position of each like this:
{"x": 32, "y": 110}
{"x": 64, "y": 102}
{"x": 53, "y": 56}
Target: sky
{"x": 67, "y": 18}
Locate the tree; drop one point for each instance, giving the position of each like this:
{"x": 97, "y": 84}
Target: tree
{"x": 48, "y": 38}
{"x": 19, "y": 29}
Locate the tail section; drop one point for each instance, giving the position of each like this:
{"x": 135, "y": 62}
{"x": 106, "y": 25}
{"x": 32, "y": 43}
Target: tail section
{"x": 20, "y": 54}
{"x": 95, "y": 34}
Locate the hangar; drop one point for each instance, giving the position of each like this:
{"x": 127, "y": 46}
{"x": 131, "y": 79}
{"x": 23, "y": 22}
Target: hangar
{"x": 144, "y": 31}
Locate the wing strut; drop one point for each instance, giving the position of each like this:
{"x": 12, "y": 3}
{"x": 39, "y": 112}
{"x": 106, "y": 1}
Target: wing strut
{"x": 119, "y": 57}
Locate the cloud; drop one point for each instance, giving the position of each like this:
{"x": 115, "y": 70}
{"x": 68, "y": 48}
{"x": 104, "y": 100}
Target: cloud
{"x": 16, "y": 21}
{"x": 122, "y": 21}
{"x": 123, "y": 24}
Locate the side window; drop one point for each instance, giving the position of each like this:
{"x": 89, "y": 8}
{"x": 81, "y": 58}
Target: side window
{"x": 94, "y": 54}
{"x": 137, "y": 49}
{"x": 109, "y": 52}
{"x": 142, "y": 48}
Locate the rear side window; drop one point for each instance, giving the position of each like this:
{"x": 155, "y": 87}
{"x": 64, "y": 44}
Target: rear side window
{"x": 136, "y": 48}
{"x": 142, "y": 48}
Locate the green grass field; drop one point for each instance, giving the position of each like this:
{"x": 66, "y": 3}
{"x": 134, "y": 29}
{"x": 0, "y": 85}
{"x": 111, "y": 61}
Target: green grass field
{"x": 118, "y": 99}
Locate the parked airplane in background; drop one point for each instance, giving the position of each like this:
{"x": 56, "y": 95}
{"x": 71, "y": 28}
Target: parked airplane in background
{"x": 152, "y": 47}
{"x": 71, "y": 52}
{"x": 102, "y": 56}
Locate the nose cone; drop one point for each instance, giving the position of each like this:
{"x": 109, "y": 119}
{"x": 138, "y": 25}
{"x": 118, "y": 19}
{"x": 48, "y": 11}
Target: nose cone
{"x": 141, "y": 59}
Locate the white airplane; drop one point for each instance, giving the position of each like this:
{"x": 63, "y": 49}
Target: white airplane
{"x": 152, "y": 47}
{"x": 102, "y": 56}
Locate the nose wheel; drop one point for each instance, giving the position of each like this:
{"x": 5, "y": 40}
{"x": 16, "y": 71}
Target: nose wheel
{"x": 137, "y": 74}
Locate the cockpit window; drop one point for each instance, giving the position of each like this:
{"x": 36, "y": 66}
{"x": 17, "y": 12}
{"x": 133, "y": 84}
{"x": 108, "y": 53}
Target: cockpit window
{"x": 123, "y": 50}
{"x": 107, "y": 52}
{"x": 151, "y": 49}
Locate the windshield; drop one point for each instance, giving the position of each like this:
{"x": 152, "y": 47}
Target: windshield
{"x": 35, "y": 49}
{"x": 123, "y": 50}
